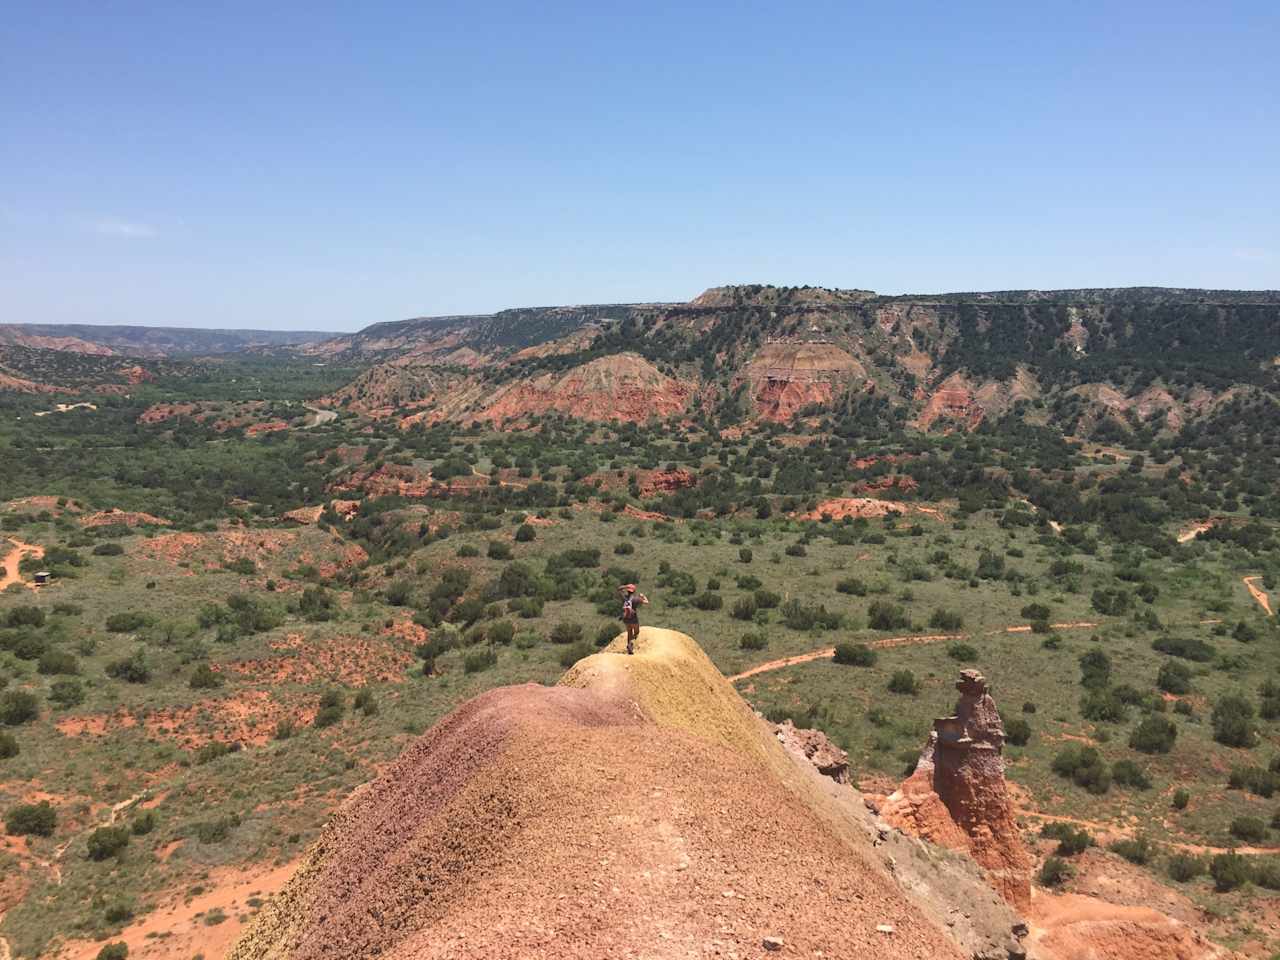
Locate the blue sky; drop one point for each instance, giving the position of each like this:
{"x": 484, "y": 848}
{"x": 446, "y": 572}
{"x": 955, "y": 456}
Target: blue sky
{"x": 327, "y": 166}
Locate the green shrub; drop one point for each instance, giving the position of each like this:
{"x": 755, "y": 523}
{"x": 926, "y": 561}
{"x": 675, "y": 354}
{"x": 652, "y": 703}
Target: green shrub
{"x": 479, "y": 660}
{"x": 31, "y": 819}
{"x": 525, "y": 533}
{"x": 1103, "y": 706}
{"x": 962, "y": 652}
{"x": 743, "y": 609}
{"x": 1174, "y": 677}
{"x": 1154, "y": 734}
{"x": 1184, "y": 867}
{"x": 66, "y": 693}
{"x": 606, "y": 634}
{"x": 756, "y": 640}
{"x": 501, "y": 632}
{"x": 1249, "y": 829}
{"x": 143, "y": 824}
{"x": 1229, "y": 871}
{"x": 767, "y": 599}
{"x": 18, "y": 707}
{"x": 1188, "y": 648}
{"x": 1071, "y": 840}
{"x": 708, "y": 601}
{"x": 1181, "y": 798}
{"x": 114, "y": 951}
{"x": 240, "y": 565}
{"x": 133, "y": 669}
{"x": 802, "y": 616}
{"x": 566, "y": 632}
{"x": 8, "y": 746}
{"x": 904, "y": 682}
{"x": 1140, "y": 851}
{"x": 744, "y": 555}
{"x": 1017, "y": 731}
{"x": 947, "y": 620}
{"x": 883, "y": 615}
{"x": 1084, "y": 766}
{"x": 125, "y": 622}
{"x": 54, "y": 662}
{"x": 205, "y": 677}
{"x": 107, "y": 842}
{"x": 1095, "y": 670}
{"x": 1257, "y": 780}
{"x": 1266, "y": 872}
{"x": 854, "y": 654}
{"x": 852, "y": 586}
{"x": 330, "y": 710}
{"x": 1055, "y": 871}
{"x": 24, "y": 616}
{"x": 572, "y": 654}
{"x": 214, "y": 749}
{"x": 796, "y": 550}
{"x": 1233, "y": 723}
{"x": 1129, "y": 774}
{"x": 215, "y": 831}
{"x": 365, "y": 702}
{"x": 499, "y": 550}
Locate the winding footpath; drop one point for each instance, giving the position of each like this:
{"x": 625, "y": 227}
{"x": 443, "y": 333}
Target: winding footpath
{"x": 13, "y": 559}
{"x": 888, "y": 643}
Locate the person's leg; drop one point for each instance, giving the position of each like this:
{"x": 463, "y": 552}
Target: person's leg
{"x": 633, "y": 631}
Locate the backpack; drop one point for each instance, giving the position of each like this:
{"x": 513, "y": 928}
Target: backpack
{"x": 629, "y": 607}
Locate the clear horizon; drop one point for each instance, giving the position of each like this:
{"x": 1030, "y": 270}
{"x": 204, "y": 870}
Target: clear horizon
{"x": 295, "y": 169}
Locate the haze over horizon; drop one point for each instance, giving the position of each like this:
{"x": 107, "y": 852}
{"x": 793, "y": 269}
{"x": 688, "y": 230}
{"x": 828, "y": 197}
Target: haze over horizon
{"x": 288, "y": 169}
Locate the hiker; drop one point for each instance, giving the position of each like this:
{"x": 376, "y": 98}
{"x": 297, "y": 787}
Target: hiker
{"x": 631, "y": 602}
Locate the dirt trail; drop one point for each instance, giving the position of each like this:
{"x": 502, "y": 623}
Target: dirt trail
{"x": 10, "y": 574}
{"x": 889, "y": 643}
{"x": 320, "y": 416}
{"x": 1258, "y": 594}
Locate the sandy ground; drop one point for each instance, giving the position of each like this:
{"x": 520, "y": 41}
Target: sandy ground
{"x": 13, "y": 558}
{"x": 178, "y": 928}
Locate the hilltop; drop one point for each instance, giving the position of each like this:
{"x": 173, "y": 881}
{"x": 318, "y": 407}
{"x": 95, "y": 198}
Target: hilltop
{"x": 638, "y": 808}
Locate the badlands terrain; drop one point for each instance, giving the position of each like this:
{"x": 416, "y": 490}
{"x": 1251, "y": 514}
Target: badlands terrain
{"x": 961, "y": 642}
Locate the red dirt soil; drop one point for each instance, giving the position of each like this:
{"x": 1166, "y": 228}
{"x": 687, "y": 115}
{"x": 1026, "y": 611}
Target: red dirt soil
{"x": 1073, "y": 927}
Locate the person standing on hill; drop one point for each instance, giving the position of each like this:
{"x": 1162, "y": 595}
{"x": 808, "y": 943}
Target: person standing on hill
{"x": 631, "y": 602}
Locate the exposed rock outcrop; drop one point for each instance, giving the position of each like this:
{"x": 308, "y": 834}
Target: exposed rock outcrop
{"x": 620, "y": 387}
{"x": 813, "y": 745}
{"x": 785, "y": 377}
{"x": 957, "y": 796}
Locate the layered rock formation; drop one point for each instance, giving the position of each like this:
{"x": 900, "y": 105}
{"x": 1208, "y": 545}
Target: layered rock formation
{"x": 785, "y": 377}
{"x": 957, "y": 796}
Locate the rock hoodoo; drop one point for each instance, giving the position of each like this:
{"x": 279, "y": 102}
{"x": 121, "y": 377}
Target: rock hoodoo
{"x": 957, "y": 796}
